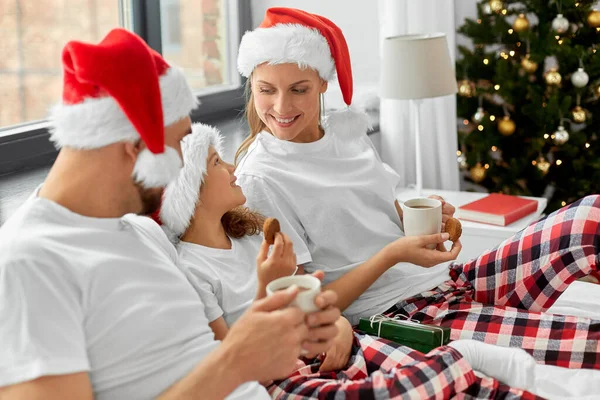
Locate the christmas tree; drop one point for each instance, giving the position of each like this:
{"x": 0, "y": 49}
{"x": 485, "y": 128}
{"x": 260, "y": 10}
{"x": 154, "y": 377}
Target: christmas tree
{"x": 529, "y": 99}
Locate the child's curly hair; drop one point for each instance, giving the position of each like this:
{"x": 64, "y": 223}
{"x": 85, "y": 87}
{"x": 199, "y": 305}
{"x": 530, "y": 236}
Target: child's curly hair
{"x": 241, "y": 221}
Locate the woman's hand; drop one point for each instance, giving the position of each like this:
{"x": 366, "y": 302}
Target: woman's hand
{"x": 447, "y": 209}
{"x": 413, "y": 249}
{"x": 338, "y": 355}
{"x": 281, "y": 262}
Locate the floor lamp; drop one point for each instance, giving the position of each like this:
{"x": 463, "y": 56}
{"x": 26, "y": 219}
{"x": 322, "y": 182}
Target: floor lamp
{"x": 416, "y": 67}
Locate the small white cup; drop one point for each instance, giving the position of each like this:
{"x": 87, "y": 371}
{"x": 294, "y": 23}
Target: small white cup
{"x": 422, "y": 217}
{"x": 305, "y": 300}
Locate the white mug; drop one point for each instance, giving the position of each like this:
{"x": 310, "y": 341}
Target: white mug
{"x": 422, "y": 217}
{"x": 305, "y": 299}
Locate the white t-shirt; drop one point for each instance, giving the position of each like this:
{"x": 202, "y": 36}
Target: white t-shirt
{"x": 335, "y": 199}
{"x": 98, "y": 295}
{"x": 225, "y": 279}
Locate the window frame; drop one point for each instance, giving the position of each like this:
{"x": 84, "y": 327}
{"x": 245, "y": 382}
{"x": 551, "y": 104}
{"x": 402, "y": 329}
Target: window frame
{"x": 27, "y": 145}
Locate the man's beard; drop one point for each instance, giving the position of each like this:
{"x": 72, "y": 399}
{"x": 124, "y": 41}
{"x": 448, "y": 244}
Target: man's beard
{"x": 150, "y": 198}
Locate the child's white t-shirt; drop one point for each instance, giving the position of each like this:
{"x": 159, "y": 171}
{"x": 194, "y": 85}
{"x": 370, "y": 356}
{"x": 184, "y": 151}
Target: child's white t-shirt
{"x": 226, "y": 280}
{"x": 335, "y": 199}
{"x": 102, "y": 295}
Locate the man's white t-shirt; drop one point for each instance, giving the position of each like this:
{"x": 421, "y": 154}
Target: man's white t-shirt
{"x": 98, "y": 295}
{"x": 225, "y": 279}
{"x": 335, "y": 199}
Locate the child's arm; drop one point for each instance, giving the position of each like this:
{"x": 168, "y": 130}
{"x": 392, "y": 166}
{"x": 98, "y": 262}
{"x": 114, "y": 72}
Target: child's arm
{"x": 219, "y": 328}
{"x": 406, "y": 249}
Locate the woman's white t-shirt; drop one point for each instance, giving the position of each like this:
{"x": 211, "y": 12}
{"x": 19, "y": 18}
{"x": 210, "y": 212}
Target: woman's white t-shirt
{"x": 226, "y": 280}
{"x": 335, "y": 199}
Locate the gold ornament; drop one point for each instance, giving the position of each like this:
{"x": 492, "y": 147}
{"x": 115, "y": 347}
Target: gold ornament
{"x": 553, "y": 77}
{"x": 506, "y": 126}
{"x": 477, "y": 173}
{"x": 529, "y": 65}
{"x": 466, "y": 88}
{"x": 521, "y": 24}
{"x": 496, "y": 5}
{"x": 543, "y": 165}
{"x": 579, "y": 115}
{"x": 597, "y": 91}
{"x": 593, "y": 19}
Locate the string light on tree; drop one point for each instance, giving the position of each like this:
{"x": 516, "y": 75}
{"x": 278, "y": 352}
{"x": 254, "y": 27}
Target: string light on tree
{"x": 593, "y": 19}
{"x": 521, "y": 24}
{"x": 560, "y": 24}
{"x": 561, "y": 136}
{"x": 553, "y": 77}
{"x": 477, "y": 173}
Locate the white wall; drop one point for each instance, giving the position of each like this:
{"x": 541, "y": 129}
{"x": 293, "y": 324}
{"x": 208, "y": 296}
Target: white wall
{"x": 359, "y": 21}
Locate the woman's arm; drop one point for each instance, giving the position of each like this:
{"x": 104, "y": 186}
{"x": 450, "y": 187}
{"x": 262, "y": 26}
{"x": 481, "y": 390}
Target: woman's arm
{"x": 406, "y": 249}
{"x": 219, "y": 328}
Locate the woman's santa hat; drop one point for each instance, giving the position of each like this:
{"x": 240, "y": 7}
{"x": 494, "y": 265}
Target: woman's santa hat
{"x": 288, "y": 35}
{"x": 121, "y": 90}
{"x": 181, "y": 196}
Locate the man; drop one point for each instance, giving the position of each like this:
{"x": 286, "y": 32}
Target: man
{"x": 92, "y": 302}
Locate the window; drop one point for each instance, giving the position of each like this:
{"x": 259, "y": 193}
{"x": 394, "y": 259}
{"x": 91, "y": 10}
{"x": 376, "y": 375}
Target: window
{"x": 200, "y": 36}
{"x": 33, "y": 34}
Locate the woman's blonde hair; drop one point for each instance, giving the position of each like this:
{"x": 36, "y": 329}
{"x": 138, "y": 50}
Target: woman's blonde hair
{"x": 255, "y": 124}
{"x": 241, "y": 221}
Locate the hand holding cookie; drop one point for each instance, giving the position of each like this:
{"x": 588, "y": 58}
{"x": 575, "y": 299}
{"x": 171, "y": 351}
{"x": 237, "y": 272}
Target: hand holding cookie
{"x": 282, "y": 259}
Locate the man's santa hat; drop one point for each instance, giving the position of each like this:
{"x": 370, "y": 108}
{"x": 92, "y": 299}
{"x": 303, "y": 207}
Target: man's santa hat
{"x": 121, "y": 90}
{"x": 288, "y": 35}
{"x": 181, "y": 196}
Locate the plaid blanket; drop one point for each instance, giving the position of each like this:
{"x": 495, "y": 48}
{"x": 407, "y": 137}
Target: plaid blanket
{"x": 500, "y": 297}
{"x": 380, "y": 369}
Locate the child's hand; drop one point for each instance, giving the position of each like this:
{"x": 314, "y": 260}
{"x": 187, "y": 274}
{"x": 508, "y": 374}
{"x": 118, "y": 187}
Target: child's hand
{"x": 281, "y": 262}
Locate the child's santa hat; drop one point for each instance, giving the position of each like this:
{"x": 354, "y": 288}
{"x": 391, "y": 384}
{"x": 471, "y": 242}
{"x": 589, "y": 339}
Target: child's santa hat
{"x": 122, "y": 90}
{"x": 180, "y": 198}
{"x": 288, "y": 35}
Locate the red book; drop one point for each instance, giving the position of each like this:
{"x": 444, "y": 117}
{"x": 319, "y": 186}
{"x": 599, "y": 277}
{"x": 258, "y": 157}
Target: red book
{"x": 497, "y": 209}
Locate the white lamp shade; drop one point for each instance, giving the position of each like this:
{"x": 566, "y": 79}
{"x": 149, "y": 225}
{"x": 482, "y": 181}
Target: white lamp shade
{"x": 417, "y": 67}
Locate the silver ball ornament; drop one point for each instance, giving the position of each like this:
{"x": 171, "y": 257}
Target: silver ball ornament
{"x": 560, "y": 24}
{"x": 561, "y": 136}
{"x": 580, "y": 78}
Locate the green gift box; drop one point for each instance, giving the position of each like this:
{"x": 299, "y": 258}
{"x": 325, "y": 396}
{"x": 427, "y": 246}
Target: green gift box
{"x": 423, "y": 338}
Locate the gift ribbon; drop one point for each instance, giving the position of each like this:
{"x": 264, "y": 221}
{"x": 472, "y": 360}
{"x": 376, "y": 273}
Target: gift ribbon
{"x": 379, "y": 318}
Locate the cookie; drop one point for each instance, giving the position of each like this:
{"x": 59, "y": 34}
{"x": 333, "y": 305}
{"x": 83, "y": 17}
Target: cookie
{"x": 454, "y": 228}
{"x": 270, "y": 228}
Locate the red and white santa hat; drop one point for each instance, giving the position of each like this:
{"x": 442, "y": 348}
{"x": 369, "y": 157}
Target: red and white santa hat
{"x": 289, "y": 35}
{"x": 181, "y": 196}
{"x": 122, "y": 90}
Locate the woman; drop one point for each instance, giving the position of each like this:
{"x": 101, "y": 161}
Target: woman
{"x": 335, "y": 199}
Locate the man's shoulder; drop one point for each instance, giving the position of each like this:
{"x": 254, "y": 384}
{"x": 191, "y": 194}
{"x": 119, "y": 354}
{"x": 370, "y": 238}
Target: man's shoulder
{"x": 23, "y": 232}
